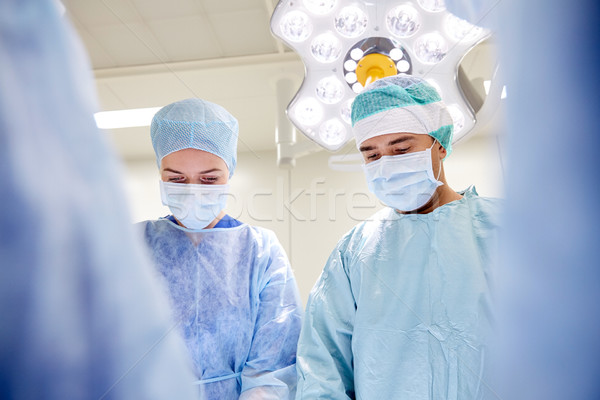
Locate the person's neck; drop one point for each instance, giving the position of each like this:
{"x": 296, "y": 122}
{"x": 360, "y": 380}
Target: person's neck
{"x": 216, "y": 220}
{"x": 442, "y": 196}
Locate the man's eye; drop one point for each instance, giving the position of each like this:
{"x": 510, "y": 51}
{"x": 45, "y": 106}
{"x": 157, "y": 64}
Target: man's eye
{"x": 372, "y": 156}
{"x": 399, "y": 150}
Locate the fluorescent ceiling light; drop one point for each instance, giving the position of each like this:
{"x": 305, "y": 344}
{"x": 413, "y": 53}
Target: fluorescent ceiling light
{"x": 125, "y": 118}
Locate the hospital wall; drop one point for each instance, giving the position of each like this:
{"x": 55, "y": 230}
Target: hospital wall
{"x": 310, "y": 207}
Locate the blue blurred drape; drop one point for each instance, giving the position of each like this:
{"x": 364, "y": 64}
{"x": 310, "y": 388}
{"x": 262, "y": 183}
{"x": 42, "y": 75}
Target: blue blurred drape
{"x": 82, "y": 314}
{"x": 548, "y": 277}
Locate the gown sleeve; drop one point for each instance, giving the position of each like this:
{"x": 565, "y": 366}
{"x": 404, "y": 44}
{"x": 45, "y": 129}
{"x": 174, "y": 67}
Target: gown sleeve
{"x": 325, "y": 362}
{"x": 270, "y": 370}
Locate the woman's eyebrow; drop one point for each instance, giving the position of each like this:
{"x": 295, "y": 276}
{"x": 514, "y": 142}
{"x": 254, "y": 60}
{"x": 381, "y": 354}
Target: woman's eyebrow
{"x": 208, "y": 171}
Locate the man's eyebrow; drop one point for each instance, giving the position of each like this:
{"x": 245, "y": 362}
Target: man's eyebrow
{"x": 391, "y": 143}
{"x": 400, "y": 140}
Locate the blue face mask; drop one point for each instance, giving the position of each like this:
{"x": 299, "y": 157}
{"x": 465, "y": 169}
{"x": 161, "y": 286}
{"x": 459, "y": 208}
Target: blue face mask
{"x": 405, "y": 182}
{"x": 195, "y": 206}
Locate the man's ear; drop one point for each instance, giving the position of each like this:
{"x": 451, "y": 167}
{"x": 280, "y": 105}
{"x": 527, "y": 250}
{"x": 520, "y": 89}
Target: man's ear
{"x": 442, "y": 151}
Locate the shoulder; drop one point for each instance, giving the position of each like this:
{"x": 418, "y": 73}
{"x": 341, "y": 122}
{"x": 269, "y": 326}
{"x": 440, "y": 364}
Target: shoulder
{"x": 158, "y": 231}
{"x": 261, "y": 233}
{"x": 486, "y": 209}
{"x": 263, "y": 237}
{"x": 372, "y": 225}
{"x": 488, "y": 204}
{"x": 354, "y": 241}
{"x": 151, "y": 225}
{"x": 143, "y": 226}
{"x": 271, "y": 258}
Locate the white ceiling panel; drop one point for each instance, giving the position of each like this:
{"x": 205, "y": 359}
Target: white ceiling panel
{"x": 93, "y": 13}
{"x": 172, "y": 9}
{"x": 244, "y": 32}
{"x": 230, "y": 6}
{"x": 235, "y": 81}
{"x": 99, "y": 57}
{"x": 186, "y": 39}
{"x": 144, "y": 91}
{"x": 129, "y": 44}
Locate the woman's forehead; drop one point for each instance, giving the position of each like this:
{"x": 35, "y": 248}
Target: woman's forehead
{"x": 193, "y": 161}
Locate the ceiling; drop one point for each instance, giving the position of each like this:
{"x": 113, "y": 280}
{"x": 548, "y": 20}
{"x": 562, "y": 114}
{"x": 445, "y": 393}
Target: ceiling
{"x": 148, "y": 53}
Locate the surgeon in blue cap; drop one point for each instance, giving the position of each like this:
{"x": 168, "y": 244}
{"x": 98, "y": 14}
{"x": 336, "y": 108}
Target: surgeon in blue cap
{"x": 402, "y": 308}
{"x": 231, "y": 285}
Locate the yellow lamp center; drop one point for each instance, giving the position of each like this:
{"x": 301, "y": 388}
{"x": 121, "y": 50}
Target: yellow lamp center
{"x": 374, "y": 66}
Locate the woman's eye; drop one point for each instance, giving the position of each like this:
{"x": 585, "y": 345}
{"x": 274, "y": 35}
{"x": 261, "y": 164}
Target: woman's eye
{"x": 177, "y": 179}
{"x": 210, "y": 179}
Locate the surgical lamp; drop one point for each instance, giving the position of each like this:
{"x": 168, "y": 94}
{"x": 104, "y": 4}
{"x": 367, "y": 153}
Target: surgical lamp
{"x": 347, "y": 44}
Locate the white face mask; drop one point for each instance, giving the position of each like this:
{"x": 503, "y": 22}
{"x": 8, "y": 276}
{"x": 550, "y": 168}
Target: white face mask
{"x": 404, "y": 182}
{"x": 195, "y": 206}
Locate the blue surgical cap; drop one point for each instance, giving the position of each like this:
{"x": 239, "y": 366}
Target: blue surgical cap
{"x": 401, "y": 103}
{"x": 195, "y": 124}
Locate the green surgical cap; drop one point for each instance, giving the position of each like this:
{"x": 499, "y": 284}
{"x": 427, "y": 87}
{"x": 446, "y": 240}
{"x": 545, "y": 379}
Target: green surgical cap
{"x": 401, "y": 103}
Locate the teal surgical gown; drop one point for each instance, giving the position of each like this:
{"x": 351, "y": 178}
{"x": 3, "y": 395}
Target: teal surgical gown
{"x": 402, "y": 308}
{"x": 237, "y": 304}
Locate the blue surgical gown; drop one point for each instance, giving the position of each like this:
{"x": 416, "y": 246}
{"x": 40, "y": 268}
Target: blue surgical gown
{"x": 237, "y": 302}
{"x": 402, "y": 308}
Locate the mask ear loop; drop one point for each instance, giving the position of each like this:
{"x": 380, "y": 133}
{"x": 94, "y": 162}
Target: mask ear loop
{"x": 440, "y": 169}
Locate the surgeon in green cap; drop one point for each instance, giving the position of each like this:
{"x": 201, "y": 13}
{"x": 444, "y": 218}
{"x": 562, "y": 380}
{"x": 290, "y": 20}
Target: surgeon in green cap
{"x": 402, "y": 309}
